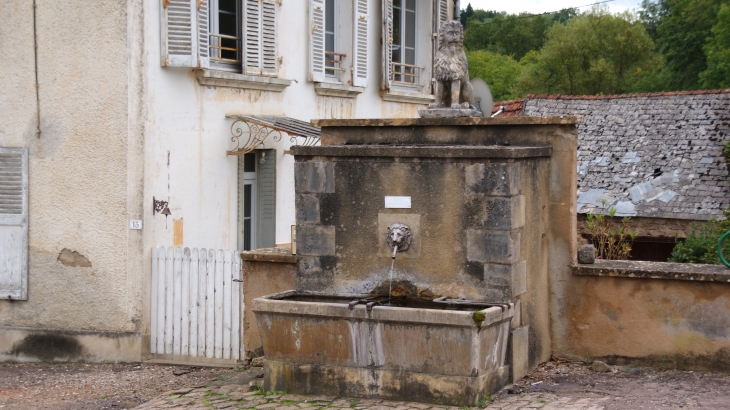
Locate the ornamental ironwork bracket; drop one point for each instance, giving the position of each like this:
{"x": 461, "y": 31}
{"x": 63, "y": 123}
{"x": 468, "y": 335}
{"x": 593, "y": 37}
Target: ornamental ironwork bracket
{"x": 250, "y": 132}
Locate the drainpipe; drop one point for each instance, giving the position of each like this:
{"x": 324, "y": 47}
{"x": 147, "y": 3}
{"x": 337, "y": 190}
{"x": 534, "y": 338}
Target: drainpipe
{"x": 35, "y": 58}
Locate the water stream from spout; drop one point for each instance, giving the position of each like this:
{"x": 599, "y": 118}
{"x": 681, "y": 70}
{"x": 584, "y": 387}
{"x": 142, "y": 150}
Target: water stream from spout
{"x": 392, "y": 263}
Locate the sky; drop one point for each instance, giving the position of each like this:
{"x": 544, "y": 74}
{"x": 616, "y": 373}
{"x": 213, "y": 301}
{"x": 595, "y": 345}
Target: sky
{"x": 541, "y": 6}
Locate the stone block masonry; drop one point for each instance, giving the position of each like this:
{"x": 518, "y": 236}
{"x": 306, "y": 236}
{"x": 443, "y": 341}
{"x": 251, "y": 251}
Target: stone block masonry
{"x": 495, "y": 189}
{"x": 475, "y": 186}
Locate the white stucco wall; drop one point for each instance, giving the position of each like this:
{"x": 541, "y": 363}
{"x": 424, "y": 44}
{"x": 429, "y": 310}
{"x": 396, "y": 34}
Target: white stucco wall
{"x": 187, "y": 120}
{"x": 83, "y": 185}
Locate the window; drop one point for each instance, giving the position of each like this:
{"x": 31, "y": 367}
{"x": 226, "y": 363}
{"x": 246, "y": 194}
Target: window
{"x": 235, "y": 35}
{"x": 338, "y": 41}
{"x": 404, "y": 42}
{"x": 333, "y": 60}
{"x": 257, "y": 200}
{"x": 225, "y": 35}
{"x": 409, "y": 44}
{"x": 248, "y": 199}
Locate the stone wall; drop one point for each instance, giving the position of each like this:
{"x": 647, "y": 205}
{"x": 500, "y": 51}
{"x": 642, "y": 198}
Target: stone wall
{"x": 265, "y": 272}
{"x": 668, "y": 315}
{"x": 663, "y": 229}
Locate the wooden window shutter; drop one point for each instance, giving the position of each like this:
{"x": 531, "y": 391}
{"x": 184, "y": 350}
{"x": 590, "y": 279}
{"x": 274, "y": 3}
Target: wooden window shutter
{"x": 203, "y": 35}
{"x": 443, "y": 12}
{"x": 184, "y": 33}
{"x": 316, "y": 40}
{"x": 360, "y": 44}
{"x": 252, "y": 37}
{"x": 14, "y": 223}
{"x": 266, "y": 179}
{"x": 387, "y": 43}
{"x": 260, "y": 37}
{"x": 268, "y": 38}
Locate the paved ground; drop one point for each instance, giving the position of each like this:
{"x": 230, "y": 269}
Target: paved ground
{"x": 554, "y": 385}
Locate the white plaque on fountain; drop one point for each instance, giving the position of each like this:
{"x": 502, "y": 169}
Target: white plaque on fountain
{"x": 398, "y": 202}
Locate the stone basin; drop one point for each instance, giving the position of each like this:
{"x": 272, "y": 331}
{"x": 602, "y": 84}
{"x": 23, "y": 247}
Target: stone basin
{"x": 428, "y": 353}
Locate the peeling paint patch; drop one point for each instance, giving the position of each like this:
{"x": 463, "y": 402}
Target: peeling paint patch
{"x": 73, "y": 259}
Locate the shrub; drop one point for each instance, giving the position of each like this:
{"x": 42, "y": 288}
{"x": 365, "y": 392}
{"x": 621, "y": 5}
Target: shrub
{"x": 611, "y": 241}
{"x": 701, "y": 244}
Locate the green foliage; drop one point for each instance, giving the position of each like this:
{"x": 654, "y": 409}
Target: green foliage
{"x": 509, "y": 34}
{"x": 717, "y": 50}
{"x": 499, "y": 71}
{"x": 680, "y": 29}
{"x": 594, "y": 53}
{"x": 466, "y": 14}
{"x": 612, "y": 241}
{"x": 701, "y": 244}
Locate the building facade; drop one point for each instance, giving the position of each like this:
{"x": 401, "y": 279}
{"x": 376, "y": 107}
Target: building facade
{"x": 117, "y": 124}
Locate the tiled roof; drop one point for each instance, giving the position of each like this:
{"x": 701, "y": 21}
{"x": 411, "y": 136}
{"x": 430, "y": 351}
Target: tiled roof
{"x": 653, "y": 155}
{"x": 512, "y": 108}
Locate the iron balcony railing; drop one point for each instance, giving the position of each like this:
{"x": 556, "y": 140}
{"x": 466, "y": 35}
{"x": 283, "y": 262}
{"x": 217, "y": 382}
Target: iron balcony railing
{"x": 222, "y": 46}
{"x": 406, "y": 73}
{"x": 333, "y": 62}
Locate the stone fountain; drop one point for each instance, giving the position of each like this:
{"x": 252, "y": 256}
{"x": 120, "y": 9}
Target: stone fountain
{"x": 465, "y": 309}
{"x": 422, "y": 251}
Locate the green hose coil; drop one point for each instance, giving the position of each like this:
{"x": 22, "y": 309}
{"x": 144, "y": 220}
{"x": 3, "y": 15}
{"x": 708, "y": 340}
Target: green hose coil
{"x": 719, "y": 249}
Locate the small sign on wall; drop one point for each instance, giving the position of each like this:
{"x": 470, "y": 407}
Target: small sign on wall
{"x": 398, "y": 202}
{"x": 135, "y": 224}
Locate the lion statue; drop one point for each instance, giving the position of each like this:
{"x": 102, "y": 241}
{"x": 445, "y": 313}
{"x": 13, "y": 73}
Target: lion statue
{"x": 452, "y": 89}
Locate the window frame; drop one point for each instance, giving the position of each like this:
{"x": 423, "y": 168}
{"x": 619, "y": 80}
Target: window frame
{"x": 330, "y": 74}
{"x": 214, "y": 29}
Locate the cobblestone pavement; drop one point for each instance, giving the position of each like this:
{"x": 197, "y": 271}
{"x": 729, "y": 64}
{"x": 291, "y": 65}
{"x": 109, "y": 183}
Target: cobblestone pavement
{"x": 554, "y": 385}
{"x": 232, "y": 397}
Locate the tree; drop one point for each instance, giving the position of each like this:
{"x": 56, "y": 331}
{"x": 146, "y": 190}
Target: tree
{"x": 717, "y": 50}
{"x": 499, "y": 71}
{"x": 680, "y": 29}
{"x": 509, "y": 34}
{"x": 595, "y": 53}
{"x": 466, "y": 14}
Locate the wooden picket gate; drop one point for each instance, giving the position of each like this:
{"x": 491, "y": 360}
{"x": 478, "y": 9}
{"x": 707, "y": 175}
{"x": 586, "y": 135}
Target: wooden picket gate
{"x": 196, "y": 306}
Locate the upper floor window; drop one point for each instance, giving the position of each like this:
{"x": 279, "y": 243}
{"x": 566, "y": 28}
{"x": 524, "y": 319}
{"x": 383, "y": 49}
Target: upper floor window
{"x": 333, "y": 59}
{"x": 338, "y": 41}
{"x": 237, "y": 35}
{"x": 225, "y": 34}
{"x": 404, "y": 42}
